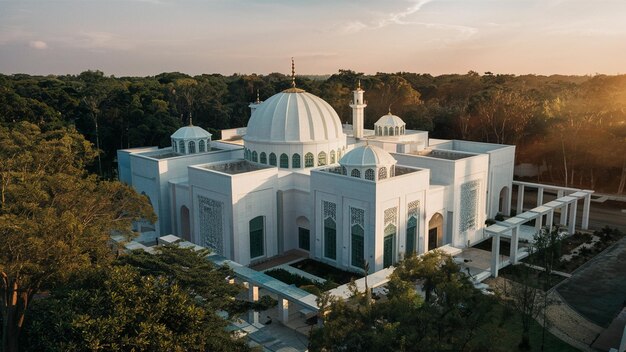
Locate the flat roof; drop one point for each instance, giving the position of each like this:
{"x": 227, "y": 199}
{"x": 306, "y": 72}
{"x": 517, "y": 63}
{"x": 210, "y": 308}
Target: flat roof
{"x": 443, "y": 154}
{"x": 168, "y": 153}
{"x": 235, "y": 167}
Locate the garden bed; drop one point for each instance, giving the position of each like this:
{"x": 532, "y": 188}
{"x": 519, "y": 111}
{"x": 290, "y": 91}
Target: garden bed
{"x": 301, "y": 282}
{"x": 532, "y": 277}
{"x": 325, "y": 271}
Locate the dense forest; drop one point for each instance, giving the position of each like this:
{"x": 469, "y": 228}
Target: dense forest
{"x": 573, "y": 128}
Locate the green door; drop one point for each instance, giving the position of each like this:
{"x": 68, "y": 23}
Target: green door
{"x": 388, "y": 251}
{"x": 304, "y": 239}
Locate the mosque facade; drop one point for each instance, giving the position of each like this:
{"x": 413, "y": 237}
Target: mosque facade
{"x": 296, "y": 178}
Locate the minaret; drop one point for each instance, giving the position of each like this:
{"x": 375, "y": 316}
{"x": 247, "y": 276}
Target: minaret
{"x": 358, "y": 111}
{"x": 255, "y": 104}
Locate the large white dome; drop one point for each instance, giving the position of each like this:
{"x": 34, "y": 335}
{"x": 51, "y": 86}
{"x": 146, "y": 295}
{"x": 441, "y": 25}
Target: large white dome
{"x": 294, "y": 116}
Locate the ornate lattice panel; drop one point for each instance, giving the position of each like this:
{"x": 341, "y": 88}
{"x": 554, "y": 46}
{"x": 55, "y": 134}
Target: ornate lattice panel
{"x": 211, "y": 229}
{"x": 469, "y": 205}
{"x": 414, "y": 208}
{"x": 391, "y": 216}
{"x": 357, "y": 217}
{"x": 329, "y": 210}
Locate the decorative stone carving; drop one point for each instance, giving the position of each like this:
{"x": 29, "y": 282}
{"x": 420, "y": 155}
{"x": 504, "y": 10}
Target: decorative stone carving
{"x": 469, "y": 205}
{"x": 211, "y": 229}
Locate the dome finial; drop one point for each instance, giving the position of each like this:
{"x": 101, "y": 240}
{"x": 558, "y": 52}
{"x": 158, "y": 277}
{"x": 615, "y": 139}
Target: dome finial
{"x": 190, "y": 119}
{"x": 258, "y": 101}
{"x": 293, "y": 74}
{"x": 389, "y": 113}
{"x": 358, "y": 85}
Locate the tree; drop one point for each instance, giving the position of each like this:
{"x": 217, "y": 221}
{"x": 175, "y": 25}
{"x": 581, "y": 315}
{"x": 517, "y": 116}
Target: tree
{"x": 448, "y": 317}
{"x": 55, "y": 220}
{"x": 118, "y": 309}
{"x": 527, "y": 294}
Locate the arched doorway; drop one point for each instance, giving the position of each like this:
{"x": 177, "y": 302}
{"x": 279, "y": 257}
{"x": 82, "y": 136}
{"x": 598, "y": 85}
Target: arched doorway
{"x": 435, "y": 231}
{"x": 304, "y": 233}
{"x": 504, "y": 203}
{"x": 185, "y": 227}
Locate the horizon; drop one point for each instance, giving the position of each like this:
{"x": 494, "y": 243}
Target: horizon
{"x": 142, "y": 38}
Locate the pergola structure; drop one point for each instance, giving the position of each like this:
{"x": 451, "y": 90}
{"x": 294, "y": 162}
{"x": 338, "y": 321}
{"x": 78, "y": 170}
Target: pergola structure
{"x": 514, "y": 227}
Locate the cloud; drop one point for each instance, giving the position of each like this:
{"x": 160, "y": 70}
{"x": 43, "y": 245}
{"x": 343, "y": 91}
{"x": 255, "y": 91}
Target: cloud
{"x": 386, "y": 19}
{"x": 38, "y": 44}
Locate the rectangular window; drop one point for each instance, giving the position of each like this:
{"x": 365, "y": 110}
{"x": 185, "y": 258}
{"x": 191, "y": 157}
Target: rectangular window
{"x": 330, "y": 239}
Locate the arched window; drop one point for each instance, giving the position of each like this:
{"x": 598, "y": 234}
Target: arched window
{"x": 308, "y": 160}
{"x": 357, "y": 247}
{"x": 339, "y": 154}
{"x": 386, "y": 131}
{"x": 411, "y": 235}
{"x": 402, "y": 130}
{"x": 321, "y": 159}
{"x": 181, "y": 147}
{"x": 208, "y": 145}
{"x": 284, "y": 161}
{"x": 192, "y": 147}
{"x": 174, "y": 146}
{"x": 273, "y": 159}
{"x": 257, "y": 229}
{"x": 332, "y": 156}
{"x": 397, "y": 130}
{"x": 344, "y": 171}
{"x": 263, "y": 158}
{"x": 245, "y": 154}
{"x": 330, "y": 239}
{"x": 382, "y": 173}
{"x": 391, "y": 131}
{"x": 369, "y": 174}
{"x": 255, "y": 157}
{"x": 392, "y": 171}
{"x": 201, "y": 146}
{"x": 295, "y": 161}
{"x": 355, "y": 173}
{"x": 389, "y": 244}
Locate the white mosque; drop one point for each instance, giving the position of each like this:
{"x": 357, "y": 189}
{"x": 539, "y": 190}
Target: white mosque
{"x": 296, "y": 178}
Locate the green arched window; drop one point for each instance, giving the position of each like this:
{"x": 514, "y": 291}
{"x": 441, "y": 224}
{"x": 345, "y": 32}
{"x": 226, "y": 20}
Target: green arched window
{"x": 321, "y": 159}
{"x": 369, "y": 174}
{"x": 411, "y": 235}
{"x": 263, "y": 158}
{"x": 332, "y": 156}
{"x": 357, "y": 246}
{"x": 330, "y": 239}
{"x": 273, "y": 159}
{"x": 295, "y": 161}
{"x": 389, "y": 244}
{"x": 201, "y": 146}
{"x": 284, "y": 161}
{"x": 257, "y": 229}
{"x": 308, "y": 160}
{"x": 192, "y": 147}
{"x": 355, "y": 173}
{"x": 255, "y": 157}
{"x": 181, "y": 147}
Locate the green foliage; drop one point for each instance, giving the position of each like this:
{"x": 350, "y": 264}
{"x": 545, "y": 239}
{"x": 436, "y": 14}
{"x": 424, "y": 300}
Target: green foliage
{"x": 118, "y": 309}
{"x": 447, "y": 318}
{"x": 55, "y": 219}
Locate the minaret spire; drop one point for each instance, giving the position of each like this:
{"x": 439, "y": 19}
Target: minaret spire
{"x": 293, "y": 74}
{"x": 190, "y": 119}
{"x": 258, "y": 101}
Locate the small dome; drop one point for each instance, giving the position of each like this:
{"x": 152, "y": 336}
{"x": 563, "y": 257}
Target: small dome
{"x": 389, "y": 125}
{"x": 191, "y": 132}
{"x": 367, "y": 156}
{"x": 294, "y": 116}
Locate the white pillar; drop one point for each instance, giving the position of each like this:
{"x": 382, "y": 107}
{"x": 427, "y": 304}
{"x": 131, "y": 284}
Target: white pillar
{"x": 253, "y": 296}
{"x": 514, "y": 244}
{"x": 563, "y": 217}
{"x": 283, "y": 310}
{"x": 520, "y": 199}
{"x": 539, "y": 222}
{"x": 572, "y": 218}
{"x": 550, "y": 219}
{"x": 495, "y": 254}
{"x": 539, "y": 196}
{"x": 586, "y": 206}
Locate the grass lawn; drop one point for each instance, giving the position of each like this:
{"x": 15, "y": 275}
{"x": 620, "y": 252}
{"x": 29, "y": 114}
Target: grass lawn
{"x": 505, "y": 331}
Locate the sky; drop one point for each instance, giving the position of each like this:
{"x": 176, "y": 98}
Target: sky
{"x": 147, "y": 37}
